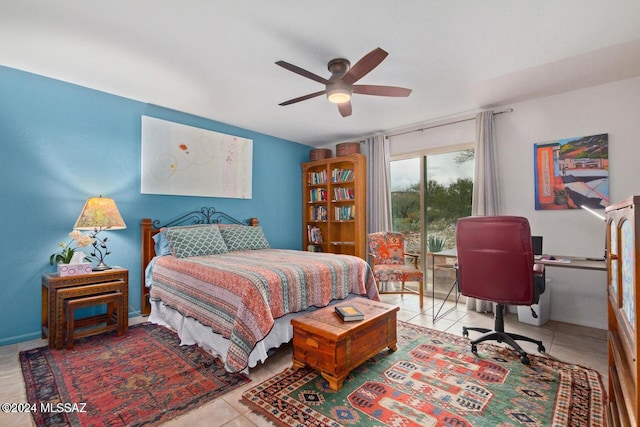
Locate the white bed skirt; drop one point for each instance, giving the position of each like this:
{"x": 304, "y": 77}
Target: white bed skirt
{"x": 192, "y": 332}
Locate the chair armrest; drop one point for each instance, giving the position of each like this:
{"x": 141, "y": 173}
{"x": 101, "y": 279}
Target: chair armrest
{"x": 538, "y": 269}
{"x": 415, "y": 257}
{"x": 539, "y": 284}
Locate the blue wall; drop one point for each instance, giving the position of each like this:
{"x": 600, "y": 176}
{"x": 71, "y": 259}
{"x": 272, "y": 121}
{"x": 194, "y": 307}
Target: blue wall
{"x": 63, "y": 143}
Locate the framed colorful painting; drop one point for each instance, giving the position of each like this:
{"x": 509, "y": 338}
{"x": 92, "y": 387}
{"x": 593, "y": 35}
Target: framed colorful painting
{"x": 572, "y": 173}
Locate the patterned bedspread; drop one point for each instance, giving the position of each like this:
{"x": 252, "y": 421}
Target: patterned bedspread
{"x": 239, "y": 294}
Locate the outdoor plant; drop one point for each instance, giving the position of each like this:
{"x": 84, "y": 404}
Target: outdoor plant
{"x": 435, "y": 243}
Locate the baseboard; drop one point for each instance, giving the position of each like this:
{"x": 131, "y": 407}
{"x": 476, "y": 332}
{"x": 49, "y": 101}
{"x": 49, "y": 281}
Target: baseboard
{"x": 38, "y": 334}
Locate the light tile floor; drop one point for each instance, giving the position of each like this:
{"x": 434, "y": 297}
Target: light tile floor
{"x": 569, "y": 343}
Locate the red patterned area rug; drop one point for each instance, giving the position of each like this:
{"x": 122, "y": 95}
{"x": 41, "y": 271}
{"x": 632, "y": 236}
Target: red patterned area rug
{"x": 143, "y": 377}
{"x": 433, "y": 379}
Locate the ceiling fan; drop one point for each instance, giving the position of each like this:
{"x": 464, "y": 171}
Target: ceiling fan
{"x": 340, "y": 86}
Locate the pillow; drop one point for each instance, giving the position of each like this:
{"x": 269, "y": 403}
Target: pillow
{"x": 196, "y": 240}
{"x": 162, "y": 246}
{"x": 244, "y": 238}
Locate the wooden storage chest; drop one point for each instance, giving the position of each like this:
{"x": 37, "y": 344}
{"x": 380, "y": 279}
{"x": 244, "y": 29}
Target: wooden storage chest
{"x": 322, "y": 340}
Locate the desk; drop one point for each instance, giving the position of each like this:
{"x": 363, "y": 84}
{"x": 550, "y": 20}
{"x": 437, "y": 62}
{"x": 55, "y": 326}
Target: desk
{"x": 444, "y": 260}
{"x": 447, "y": 260}
{"x": 574, "y": 262}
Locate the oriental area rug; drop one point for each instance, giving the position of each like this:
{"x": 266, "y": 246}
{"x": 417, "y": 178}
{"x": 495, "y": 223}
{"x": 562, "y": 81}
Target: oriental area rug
{"x": 433, "y": 379}
{"x": 143, "y": 377}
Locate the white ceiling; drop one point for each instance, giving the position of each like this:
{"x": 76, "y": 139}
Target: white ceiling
{"x": 215, "y": 58}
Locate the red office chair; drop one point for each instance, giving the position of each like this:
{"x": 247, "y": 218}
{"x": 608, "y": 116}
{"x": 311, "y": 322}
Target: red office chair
{"x": 387, "y": 252}
{"x": 495, "y": 263}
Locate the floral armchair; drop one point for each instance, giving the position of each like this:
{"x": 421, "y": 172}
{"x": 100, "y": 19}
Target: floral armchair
{"x": 386, "y": 249}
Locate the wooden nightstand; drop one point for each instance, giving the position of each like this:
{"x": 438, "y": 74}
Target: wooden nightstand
{"x": 56, "y": 289}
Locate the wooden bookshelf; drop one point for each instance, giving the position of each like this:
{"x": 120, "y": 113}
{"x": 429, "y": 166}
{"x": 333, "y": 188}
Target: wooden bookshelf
{"x": 623, "y": 332}
{"x": 334, "y": 205}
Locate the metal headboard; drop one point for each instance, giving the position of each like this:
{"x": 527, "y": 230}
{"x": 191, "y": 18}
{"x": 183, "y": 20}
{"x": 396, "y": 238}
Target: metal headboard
{"x": 204, "y": 216}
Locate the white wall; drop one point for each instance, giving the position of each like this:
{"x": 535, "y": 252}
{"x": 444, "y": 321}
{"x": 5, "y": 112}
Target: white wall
{"x": 577, "y": 297}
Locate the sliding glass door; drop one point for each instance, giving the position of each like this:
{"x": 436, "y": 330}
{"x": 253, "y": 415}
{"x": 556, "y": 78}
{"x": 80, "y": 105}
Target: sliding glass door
{"x": 406, "y": 201}
{"x": 447, "y": 194}
{"x": 429, "y": 192}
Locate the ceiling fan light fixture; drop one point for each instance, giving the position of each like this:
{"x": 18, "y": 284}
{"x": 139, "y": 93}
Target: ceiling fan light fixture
{"x": 341, "y": 85}
{"x": 339, "y": 95}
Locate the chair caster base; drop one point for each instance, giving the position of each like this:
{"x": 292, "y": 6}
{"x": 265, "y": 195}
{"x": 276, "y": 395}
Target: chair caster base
{"x": 502, "y": 337}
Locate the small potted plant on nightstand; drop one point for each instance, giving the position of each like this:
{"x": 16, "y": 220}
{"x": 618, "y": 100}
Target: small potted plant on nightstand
{"x": 63, "y": 258}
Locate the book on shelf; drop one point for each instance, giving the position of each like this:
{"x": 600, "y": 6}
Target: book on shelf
{"x": 349, "y": 313}
{"x": 314, "y": 234}
{"x": 318, "y": 213}
{"x": 341, "y": 175}
{"x": 318, "y": 195}
{"x": 342, "y": 193}
{"x": 317, "y": 178}
{"x": 345, "y": 213}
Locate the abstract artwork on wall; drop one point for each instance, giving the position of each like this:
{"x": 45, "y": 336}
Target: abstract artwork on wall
{"x": 571, "y": 173}
{"x": 189, "y": 161}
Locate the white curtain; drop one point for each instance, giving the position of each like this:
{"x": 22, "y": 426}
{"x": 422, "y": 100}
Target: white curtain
{"x": 486, "y": 195}
{"x": 378, "y": 184}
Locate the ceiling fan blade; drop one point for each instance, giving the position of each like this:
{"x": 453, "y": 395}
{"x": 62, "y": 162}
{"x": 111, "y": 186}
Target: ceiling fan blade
{"x": 368, "y": 62}
{"x": 303, "y": 98}
{"x": 345, "y": 108}
{"x": 381, "y": 90}
{"x": 303, "y": 72}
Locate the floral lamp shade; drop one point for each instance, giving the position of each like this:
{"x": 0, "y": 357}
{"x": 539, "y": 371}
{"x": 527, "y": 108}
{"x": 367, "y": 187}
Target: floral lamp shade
{"x": 100, "y": 213}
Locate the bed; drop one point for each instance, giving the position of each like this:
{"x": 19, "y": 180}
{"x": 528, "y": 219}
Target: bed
{"x": 217, "y": 282}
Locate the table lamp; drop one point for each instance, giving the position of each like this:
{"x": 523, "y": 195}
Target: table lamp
{"x": 98, "y": 214}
